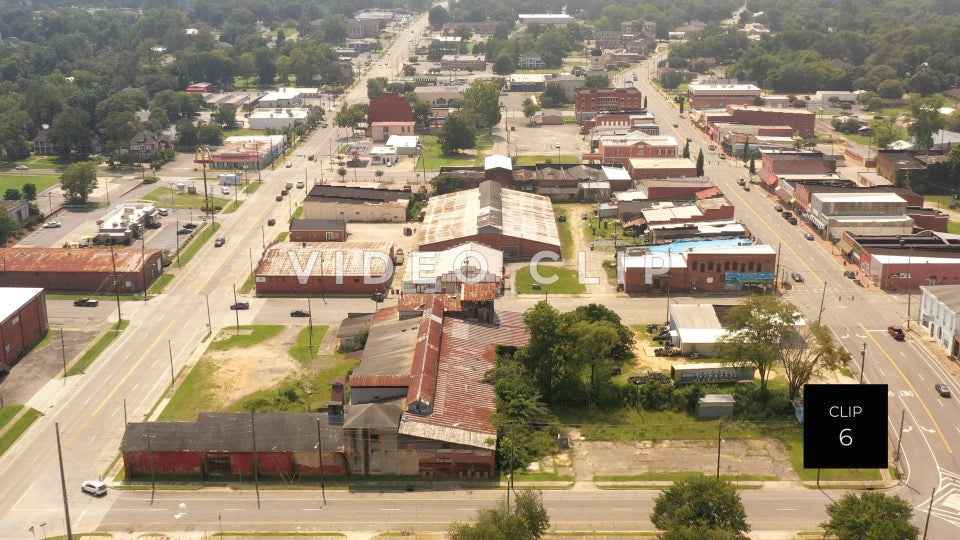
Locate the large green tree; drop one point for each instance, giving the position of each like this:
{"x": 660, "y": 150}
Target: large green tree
{"x": 9, "y": 227}
{"x": 806, "y": 351}
{"x": 457, "y": 133}
{"x": 351, "y": 116}
{"x": 870, "y": 516}
{"x": 187, "y": 135}
{"x": 70, "y": 131}
{"x": 210, "y": 135}
{"x": 700, "y": 504}
{"x": 756, "y": 329}
{"x": 927, "y": 119}
{"x": 78, "y": 181}
{"x": 700, "y": 163}
{"x": 482, "y": 99}
{"x": 525, "y": 518}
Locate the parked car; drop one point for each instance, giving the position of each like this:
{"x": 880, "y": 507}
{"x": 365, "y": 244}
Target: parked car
{"x": 288, "y": 186}
{"x": 271, "y": 222}
{"x": 184, "y": 230}
{"x": 86, "y": 302}
{"x": 896, "y": 333}
{"x": 712, "y": 147}
{"x": 163, "y": 211}
{"x": 849, "y": 274}
{"x": 94, "y": 487}
{"x": 746, "y": 187}
{"x": 280, "y": 197}
{"x": 219, "y": 242}
{"x": 189, "y": 225}
{"x": 778, "y": 208}
{"x": 311, "y": 157}
{"x": 722, "y": 156}
{"x": 240, "y": 305}
{"x": 288, "y": 164}
{"x": 299, "y": 313}
{"x": 808, "y": 236}
{"x": 51, "y": 225}
{"x": 300, "y": 184}
{"x": 742, "y": 182}
{"x": 792, "y": 220}
{"x": 796, "y": 277}
{"x": 285, "y": 192}
{"x": 942, "y": 389}
{"x": 22, "y": 168}
{"x": 787, "y": 214}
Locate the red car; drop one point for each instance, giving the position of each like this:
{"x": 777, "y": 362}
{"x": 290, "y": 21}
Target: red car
{"x": 896, "y": 332}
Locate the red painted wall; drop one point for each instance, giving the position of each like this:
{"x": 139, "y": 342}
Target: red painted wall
{"x": 23, "y": 329}
{"x": 525, "y": 248}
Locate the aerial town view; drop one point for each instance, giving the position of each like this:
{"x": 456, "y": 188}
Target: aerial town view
{"x": 480, "y": 269}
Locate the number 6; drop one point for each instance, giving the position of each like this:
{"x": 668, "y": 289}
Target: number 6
{"x": 845, "y": 438}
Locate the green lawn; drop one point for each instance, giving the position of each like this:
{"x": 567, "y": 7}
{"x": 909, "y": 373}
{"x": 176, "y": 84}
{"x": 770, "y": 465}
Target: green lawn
{"x": 97, "y": 349}
{"x": 160, "y": 284}
{"x": 940, "y": 201}
{"x": 197, "y": 242}
{"x": 7, "y": 412}
{"x": 298, "y": 213}
{"x": 18, "y": 429}
{"x": 161, "y": 196}
{"x": 565, "y": 232}
{"x": 282, "y": 237}
{"x": 249, "y": 336}
{"x": 17, "y": 180}
{"x": 678, "y": 475}
{"x": 241, "y": 131}
{"x": 37, "y": 162}
{"x": 433, "y": 159}
{"x": 231, "y": 207}
{"x": 252, "y": 187}
{"x": 198, "y": 392}
{"x": 248, "y": 284}
{"x": 566, "y": 284}
{"x": 953, "y": 227}
{"x": 544, "y": 158}
{"x": 302, "y": 351}
{"x": 307, "y": 391}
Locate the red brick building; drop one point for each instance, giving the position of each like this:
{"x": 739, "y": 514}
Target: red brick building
{"x": 650, "y": 168}
{"x": 793, "y": 162}
{"x": 616, "y": 149}
{"x": 630, "y": 121}
{"x": 699, "y": 269}
{"x": 80, "y": 270}
{"x": 905, "y": 261}
{"x": 591, "y": 100}
{"x": 389, "y": 107}
{"x": 800, "y": 120}
{"x": 341, "y": 268}
{"x": 318, "y": 230}
{"x": 23, "y": 321}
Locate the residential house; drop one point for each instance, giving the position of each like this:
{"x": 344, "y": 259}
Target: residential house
{"x": 530, "y": 61}
{"x": 389, "y": 107}
{"x": 147, "y": 142}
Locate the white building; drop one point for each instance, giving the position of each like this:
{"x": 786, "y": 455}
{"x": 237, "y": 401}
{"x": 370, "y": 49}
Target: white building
{"x": 383, "y": 155}
{"x": 444, "y": 271}
{"x": 126, "y": 222}
{"x": 545, "y": 18}
{"x": 286, "y": 97}
{"x": 277, "y": 118}
{"x": 405, "y": 145}
{"x": 940, "y": 315}
{"x": 695, "y": 328}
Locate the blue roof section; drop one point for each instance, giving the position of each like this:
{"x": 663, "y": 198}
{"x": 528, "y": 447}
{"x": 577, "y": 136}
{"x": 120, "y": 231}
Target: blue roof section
{"x": 684, "y": 245}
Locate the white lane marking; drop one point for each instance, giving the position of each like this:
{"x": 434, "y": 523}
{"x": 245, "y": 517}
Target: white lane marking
{"x": 389, "y": 509}
{"x": 921, "y": 376}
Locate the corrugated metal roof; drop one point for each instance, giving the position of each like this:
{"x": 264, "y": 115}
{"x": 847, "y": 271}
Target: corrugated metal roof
{"x": 417, "y": 302}
{"x": 464, "y": 402}
{"x": 37, "y": 259}
{"x": 325, "y": 259}
{"x": 379, "y": 381}
{"x": 426, "y": 356}
{"x": 479, "y": 292}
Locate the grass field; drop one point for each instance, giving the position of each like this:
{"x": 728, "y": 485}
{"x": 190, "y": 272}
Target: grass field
{"x": 953, "y": 227}
{"x": 241, "y": 131}
{"x": 566, "y": 284}
{"x": 231, "y": 207}
{"x": 17, "y": 429}
{"x": 433, "y": 159}
{"x": 302, "y": 351}
{"x": 307, "y": 392}
{"x": 37, "y": 162}
{"x": 97, "y": 349}
{"x": 678, "y": 475}
{"x": 161, "y": 196}
{"x": 252, "y": 187}
{"x": 7, "y": 412}
{"x": 161, "y": 283}
{"x": 543, "y": 158}
{"x": 17, "y": 180}
{"x": 566, "y": 233}
{"x": 197, "y": 242}
{"x": 248, "y": 284}
{"x": 194, "y": 393}
{"x": 940, "y": 201}
{"x": 257, "y": 334}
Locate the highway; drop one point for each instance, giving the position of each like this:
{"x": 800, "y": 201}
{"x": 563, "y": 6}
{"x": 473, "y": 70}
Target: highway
{"x": 90, "y": 408}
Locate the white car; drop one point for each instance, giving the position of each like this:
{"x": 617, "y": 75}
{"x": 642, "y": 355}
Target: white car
{"x": 22, "y": 168}
{"x": 94, "y": 487}
{"x": 289, "y": 164}
{"x": 52, "y": 225}
{"x": 163, "y": 211}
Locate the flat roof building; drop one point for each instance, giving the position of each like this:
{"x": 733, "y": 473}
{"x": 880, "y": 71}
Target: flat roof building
{"x": 341, "y": 268}
{"x": 80, "y": 270}
{"x": 356, "y": 203}
{"x": 446, "y": 271}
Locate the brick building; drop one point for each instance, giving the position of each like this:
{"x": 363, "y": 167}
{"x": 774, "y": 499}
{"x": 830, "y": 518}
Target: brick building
{"x": 778, "y": 163}
{"x": 718, "y": 96}
{"x": 617, "y": 149}
{"x": 800, "y": 120}
{"x": 645, "y": 122}
{"x": 356, "y": 203}
{"x": 905, "y": 261}
{"x": 463, "y": 62}
{"x": 653, "y": 168}
{"x": 23, "y": 321}
{"x": 389, "y": 107}
{"x": 318, "y": 230}
{"x": 382, "y": 131}
{"x": 80, "y": 270}
{"x": 593, "y": 100}
{"x": 735, "y": 268}
{"x": 331, "y": 268}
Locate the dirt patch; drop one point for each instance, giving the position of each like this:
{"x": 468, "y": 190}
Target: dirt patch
{"x": 242, "y": 371}
{"x": 766, "y": 457}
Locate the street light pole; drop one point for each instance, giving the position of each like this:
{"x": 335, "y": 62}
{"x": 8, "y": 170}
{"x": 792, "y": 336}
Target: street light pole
{"x": 822, "y": 297}
{"x": 863, "y": 359}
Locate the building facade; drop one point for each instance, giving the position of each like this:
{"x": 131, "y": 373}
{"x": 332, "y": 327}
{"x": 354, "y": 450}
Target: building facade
{"x": 940, "y": 315}
{"x": 593, "y": 100}
{"x": 718, "y": 96}
{"x": 23, "y": 321}
{"x": 80, "y": 270}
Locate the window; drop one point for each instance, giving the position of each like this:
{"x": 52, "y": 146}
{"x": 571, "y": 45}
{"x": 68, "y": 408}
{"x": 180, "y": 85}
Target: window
{"x": 750, "y": 266}
{"x": 710, "y": 266}
{"x": 726, "y": 266}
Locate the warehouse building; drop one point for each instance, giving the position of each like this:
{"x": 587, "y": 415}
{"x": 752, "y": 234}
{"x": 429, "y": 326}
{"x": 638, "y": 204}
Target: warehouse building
{"x": 23, "y": 321}
{"x": 518, "y": 224}
{"x": 340, "y": 268}
{"x": 448, "y": 270}
{"x": 355, "y": 203}
{"x": 80, "y": 270}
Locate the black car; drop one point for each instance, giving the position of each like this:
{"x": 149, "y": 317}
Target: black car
{"x": 189, "y": 225}
{"x": 299, "y": 313}
{"x": 942, "y": 389}
{"x": 219, "y": 242}
{"x": 849, "y": 274}
{"x": 184, "y": 230}
{"x": 86, "y": 302}
{"x": 792, "y": 220}
{"x": 279, "y": 198}
{"x": 240, "y": 305}
{"x": 778, "y": 208}
{"x": 796, "y": 277}
{"x": 271, "y": 222}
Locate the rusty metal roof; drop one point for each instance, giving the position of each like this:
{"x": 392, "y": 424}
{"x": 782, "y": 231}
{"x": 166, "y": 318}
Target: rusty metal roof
{"x": 489, "y": 209}
{"x": 426, "y": 356}
{"x": 379, "y": 381}
{"x": 463, "y": 402}
{"x": 36, "y": 259}
{"x": 417, "y": 302}
{"x": 479, "y": 292}
{"x": 328, "y": 259}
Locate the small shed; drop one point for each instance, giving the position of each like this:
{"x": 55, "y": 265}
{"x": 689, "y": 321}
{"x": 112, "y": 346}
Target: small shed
{"x": 549, "y": 117}
{"x": 383, "y": 155}
{"x": 715, "y": 406}
{"x": 353, "y": 331}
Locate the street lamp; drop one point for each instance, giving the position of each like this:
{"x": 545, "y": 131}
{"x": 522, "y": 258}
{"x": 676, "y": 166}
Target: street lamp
{"x": 557, "y": 146}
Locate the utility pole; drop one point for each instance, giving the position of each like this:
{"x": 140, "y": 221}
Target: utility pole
{"x": 209, "y": 321}
{"x": 929, "y": 511}
{"x": 143, "y": 266}
{"x": 63, "y": 356}
{"x": 116, "y": 287}
{"x": 909, "y": 288}
{"x": 776, "y": 272}
{"x": 719, "y": 439}
{"x": 170, "y": 350}
{"x": 903, "y": 415}
{"x": 125, "y": 422}
{"x": 178, "y": 243}
{"x": 863, "y": 359}
{"x": 63, "y": 483}
{"x": 323, "y": 492}
{"x": 256, "y": 462}
{"x": 822, "y": 297}
{"x": 153, "y": 483}
{"x": 237, "y": 310}
{"x": 310, "y": 324}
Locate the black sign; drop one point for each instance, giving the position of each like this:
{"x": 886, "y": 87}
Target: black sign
{"x": 845, "y": 426}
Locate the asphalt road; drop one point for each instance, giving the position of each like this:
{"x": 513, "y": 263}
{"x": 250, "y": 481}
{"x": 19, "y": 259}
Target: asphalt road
{"x": 136, "y": 370}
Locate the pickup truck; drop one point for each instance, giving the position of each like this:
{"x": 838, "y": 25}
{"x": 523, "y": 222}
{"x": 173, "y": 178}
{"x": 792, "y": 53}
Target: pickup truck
{"x": 86, "y": 302}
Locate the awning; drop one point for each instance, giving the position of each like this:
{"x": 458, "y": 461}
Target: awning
{"x": 745, "y": 278}
{"x": 772, "y": 181}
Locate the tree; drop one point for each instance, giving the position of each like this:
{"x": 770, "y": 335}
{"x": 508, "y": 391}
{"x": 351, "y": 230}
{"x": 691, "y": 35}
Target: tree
{"x": 700, "y": 163}
{"x": 870, "y": 516}
{"x": 503, "y": 65}
{"x": 225, "y": 115}
{"x": 700, "y": 503}
{"x": 756, "y": 328}
{"x": 526, "y": 520}
{"x": 457, "y": 133}
{"x": 376, "y": 86}
{"x": 341, "y": 172}
{"x": 592, "y": 346}
{"x": 885, "y": 131}
{"x": 422, "y": 112}
{"x": 78, "y": 181}
{"x": 187, "y": 135}
{"x": 927, "y": 119}
{"x": 482, "y": 99}
{"x": 351, "y": 116}
{"x": 70, "y": 130}
{"x": 437, "y": 16}
{"x": 9, "y": 227}
{"x": 529, "y": 107}
{"x": 671, "y": 79}
{"x": 805, "y": 352}
{"x": 30, "y": 191}
{"x": 753, "y": 165}
{"x": 553, "y": 95}
{"x": 543, "y": 322}
{"x": 12, "y": 194}
{"x": 686, "y": 150}
{"x": 210, "y": 135}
